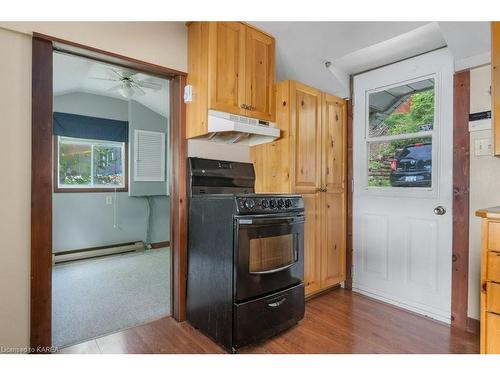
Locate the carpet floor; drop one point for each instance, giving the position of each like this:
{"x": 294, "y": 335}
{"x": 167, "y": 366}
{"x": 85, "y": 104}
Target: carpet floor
{"x": 94, "y": 297}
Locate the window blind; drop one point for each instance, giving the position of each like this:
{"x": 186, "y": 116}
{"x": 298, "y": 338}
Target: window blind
{"x": 87, "y": 127}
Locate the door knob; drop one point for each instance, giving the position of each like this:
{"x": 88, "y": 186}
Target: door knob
{"x": 439, "y": 210}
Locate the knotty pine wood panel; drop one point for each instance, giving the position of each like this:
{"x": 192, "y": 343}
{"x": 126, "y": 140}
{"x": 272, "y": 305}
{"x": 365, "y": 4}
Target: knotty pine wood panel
{"x": 260, "y": 75}
{"x": 306, "y": 137}
{"x": 226, "y": 66}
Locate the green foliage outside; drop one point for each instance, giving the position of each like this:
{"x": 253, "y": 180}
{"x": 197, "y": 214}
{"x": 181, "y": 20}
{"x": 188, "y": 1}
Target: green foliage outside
{"x": 381, "y": 154}
{"x": 75, "y": 166}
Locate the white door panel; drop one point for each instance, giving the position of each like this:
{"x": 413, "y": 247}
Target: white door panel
{"x": 402, "y": 171}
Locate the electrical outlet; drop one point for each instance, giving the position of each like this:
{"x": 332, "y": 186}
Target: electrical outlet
{"x": 109, "y": 199}
{"x": 482, "y": 147}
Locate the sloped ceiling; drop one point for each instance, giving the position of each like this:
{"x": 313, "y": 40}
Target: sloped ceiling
{"x": 354, "y": 47}
{"x": 73, "y": 74}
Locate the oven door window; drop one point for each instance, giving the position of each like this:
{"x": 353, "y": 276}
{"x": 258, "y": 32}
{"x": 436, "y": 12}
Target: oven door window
{"x": 272, "y": 254}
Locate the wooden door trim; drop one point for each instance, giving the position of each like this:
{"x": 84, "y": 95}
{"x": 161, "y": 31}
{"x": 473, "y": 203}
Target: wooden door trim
{"x": 41, "y": 194}
{"x": 82, "y": 50}
{"x": 43, "y": 47}
{"x": 461, "y": 178}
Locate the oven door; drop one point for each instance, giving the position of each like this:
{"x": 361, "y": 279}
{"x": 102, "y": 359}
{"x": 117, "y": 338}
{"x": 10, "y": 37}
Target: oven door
{"x": 268, "y": 254}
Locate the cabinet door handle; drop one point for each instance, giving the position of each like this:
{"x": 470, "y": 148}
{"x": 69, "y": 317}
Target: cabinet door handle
{"x": 244, "y": 106}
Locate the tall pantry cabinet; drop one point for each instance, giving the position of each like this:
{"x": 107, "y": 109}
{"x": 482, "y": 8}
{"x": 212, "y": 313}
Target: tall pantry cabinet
{"x": 310, "y": 159}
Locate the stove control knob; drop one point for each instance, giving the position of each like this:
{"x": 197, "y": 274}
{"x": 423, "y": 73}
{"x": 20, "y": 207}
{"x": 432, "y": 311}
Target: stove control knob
{"x": 249, "y": 203}
{"x": 281, "y": 204}
{"x": 272, "y": 204}
{"x": 264, "y": 203}
{"x": 288, "y": 203}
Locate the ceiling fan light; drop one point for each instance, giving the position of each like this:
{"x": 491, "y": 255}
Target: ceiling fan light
{"x": 126, "y": 91}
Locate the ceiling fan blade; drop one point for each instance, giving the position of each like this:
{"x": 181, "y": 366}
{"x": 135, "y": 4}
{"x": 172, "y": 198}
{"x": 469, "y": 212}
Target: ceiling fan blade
{"x": 114, "y": 72}
{"x": 105, "y": 79}
{"x": 149, "y": 85}
{"x": 114, "y": 88}
{"x": 138, "y": 89}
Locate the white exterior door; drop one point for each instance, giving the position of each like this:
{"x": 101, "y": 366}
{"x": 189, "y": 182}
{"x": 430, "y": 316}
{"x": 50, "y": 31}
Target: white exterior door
{"x": 402, "y": 201}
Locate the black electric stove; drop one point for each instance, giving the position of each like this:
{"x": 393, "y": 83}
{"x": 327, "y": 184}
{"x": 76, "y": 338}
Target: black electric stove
{"x": 245, "y": 255}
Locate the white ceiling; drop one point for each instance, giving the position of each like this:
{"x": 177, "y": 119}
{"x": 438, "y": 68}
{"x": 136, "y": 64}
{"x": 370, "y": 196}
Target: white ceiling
{"x": 72, "y": 74}
{"x": 354, "y": 47}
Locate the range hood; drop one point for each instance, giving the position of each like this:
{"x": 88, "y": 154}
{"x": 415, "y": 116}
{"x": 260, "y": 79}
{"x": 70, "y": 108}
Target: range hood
{"x": 230, "y": 128}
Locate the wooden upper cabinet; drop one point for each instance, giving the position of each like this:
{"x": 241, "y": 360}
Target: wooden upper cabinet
{"x": 334, "y": 120}
{"x": 231, "y": 68}
{"x": 495, "y": 86}
{"x": 260, "y": 75}
{"x": 226, "y": 67}
{"x": 306, "y": 138}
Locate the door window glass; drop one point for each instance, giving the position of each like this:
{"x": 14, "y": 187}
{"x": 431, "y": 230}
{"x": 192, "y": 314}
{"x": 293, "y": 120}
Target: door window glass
{"x": 269, "y": 253}
{"x": 399, "y": 135}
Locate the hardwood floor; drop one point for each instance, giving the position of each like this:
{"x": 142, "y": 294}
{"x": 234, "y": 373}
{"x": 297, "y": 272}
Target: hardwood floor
{"x": 337, "y": 322}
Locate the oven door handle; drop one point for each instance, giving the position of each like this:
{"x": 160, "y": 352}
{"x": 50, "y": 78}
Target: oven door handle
{"x": 273, "y": 270}
{"x": 269, "y": 220}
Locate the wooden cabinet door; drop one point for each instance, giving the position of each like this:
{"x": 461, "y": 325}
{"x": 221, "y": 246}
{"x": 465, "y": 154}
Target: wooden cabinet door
{"x": 334, "y": 133}
{"x": 306, "y": 138}
{"x": 226, "y": 67}
{"x": 333, "y": 249}
{"x": 333, "y": 128}
{"x": 492, "y": 333}
{"x": 312, "y": 243}
{"x": 260, "y": 73}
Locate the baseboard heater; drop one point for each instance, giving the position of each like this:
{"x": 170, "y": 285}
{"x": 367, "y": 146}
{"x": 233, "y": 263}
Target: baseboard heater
{"x": 94, "y": 252}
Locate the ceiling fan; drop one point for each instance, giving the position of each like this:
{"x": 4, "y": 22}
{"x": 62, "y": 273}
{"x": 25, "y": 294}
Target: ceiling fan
{"x": 128, "y": 85}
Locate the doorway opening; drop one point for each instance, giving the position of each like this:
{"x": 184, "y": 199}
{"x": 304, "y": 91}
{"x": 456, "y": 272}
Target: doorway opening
{"x": 110, "y": 158}
{"x": 110, "y": 205}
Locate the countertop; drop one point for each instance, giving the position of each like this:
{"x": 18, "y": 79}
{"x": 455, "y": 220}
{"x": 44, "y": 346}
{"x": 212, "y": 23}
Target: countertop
{"x": 489, "y": 213}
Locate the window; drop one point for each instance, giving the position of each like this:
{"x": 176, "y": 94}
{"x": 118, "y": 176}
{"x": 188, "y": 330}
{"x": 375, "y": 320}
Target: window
{"x": 90, "y": 164}
{"x": 400, "y": 127}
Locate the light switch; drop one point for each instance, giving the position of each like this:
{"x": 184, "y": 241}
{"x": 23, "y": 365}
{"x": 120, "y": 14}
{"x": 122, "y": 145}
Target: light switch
{"x": 482, "y": 147}
{"x": 109, "y": 199}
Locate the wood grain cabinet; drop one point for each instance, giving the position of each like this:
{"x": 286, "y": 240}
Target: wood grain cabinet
{"x": 231, "y": 67}
{"x": 490, "y": 281}
{"x": 310, "y": 159}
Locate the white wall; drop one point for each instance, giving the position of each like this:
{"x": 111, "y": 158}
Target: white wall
{"x": 15, "y": 164}
{"x": 484, "y": 182}
{"x": 161, "y": 43}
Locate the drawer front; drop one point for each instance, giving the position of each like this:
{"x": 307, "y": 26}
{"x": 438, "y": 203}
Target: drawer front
{"x": 494, "y": 236}
{"x": 492, "y": 333}
{"x": 265, "y": 317}
{"x": 493, "y": 266}
{"x": 493, "y": 297}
